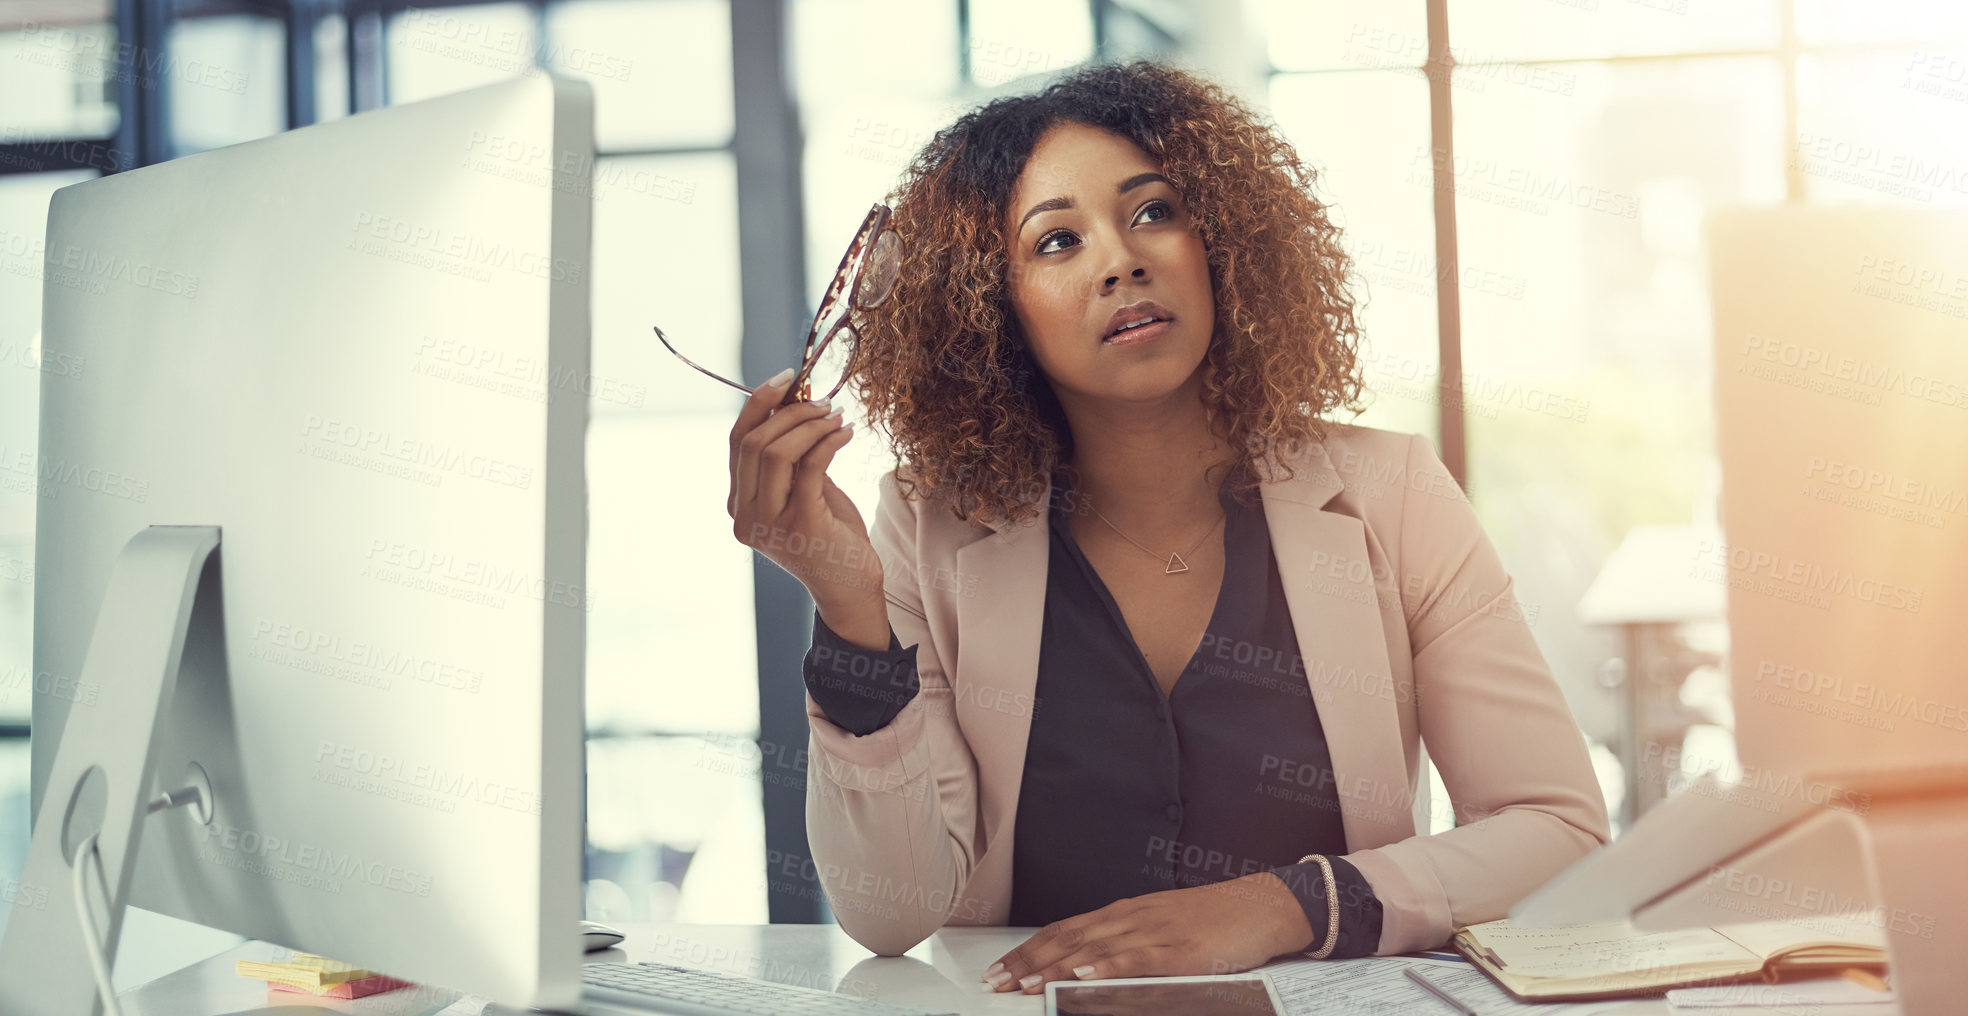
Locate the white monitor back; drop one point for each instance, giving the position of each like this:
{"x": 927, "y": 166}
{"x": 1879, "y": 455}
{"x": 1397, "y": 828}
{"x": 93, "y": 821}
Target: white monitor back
{"x": 361, "y": 349}
{"x": 1841, "y": 386}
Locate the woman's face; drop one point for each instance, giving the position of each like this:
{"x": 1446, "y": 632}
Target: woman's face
{"x": 1099, "y": 240}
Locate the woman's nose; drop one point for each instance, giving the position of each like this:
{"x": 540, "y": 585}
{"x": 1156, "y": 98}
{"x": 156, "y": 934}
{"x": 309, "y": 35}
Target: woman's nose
{"x": 1138, "y": 274}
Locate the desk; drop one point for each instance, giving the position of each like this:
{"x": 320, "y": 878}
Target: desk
{"x": 939, "y": 975}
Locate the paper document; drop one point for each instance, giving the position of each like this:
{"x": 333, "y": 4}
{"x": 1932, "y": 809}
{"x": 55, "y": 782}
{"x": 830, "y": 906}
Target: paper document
{"x": 1375, "y": 985}
{"x": 1798, "y": 995}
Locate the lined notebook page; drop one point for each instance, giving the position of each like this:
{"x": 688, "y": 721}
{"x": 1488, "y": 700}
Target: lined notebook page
{"x": 1591, "y": 950}
{"x": 1766, "y": 938}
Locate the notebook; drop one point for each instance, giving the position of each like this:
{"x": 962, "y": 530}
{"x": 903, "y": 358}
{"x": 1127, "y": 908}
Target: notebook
{"x": 1609, "y": 959}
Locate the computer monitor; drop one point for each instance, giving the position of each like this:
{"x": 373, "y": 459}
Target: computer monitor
{"x": 1841, "y": 393}
{"x": 1841, "y": 388}
{"x": 360, "y": 350}
{"x": 1841, "y": 396}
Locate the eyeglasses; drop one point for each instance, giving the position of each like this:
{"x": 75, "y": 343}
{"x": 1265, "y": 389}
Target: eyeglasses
{"x": 867, "y": 276}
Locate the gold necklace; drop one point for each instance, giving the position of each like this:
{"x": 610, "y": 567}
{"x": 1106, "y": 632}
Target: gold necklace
{"x": 1175, "y": 563}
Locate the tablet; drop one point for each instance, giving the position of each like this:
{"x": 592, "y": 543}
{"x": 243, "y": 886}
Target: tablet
{"x": 1227, "y": 995}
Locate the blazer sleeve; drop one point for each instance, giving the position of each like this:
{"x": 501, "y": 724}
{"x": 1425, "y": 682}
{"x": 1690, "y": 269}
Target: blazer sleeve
{"x": 859, "y": 690}
{"x": 1526, "y": 801}
{"x": 892, "y": 817}
{"x": 1358, "y": 933}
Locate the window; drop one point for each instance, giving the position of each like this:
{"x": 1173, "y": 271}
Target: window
{"x": 58, "y": 78}
{"x": 224, "y": 80}
{"x": 435, "y": 50}
{"x": 661, "y": 72}
{"x": 1491, "y": 31}
{"x": 1581, "y": 190}
{"x": 675, "y": 826}
{"x": 1009, "y": 39}
{"x": 331, "y": 70}
{"x": 1366, "y": 133}
{"x": 675, "y": 820}
{"x": 864, "y": 120}
{"x": 1885, "y": 127}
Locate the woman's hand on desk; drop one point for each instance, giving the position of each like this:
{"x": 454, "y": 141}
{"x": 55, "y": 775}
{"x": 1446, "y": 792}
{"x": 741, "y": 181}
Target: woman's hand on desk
{"x": 783, "y": 504}
{"x": 1213, "y": 929}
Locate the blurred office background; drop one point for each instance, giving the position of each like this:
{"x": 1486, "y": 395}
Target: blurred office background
{"x": 1524, "y": 206}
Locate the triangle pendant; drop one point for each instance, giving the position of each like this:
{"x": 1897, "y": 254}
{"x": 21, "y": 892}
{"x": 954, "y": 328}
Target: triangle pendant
{"x": 1176, "y": 564}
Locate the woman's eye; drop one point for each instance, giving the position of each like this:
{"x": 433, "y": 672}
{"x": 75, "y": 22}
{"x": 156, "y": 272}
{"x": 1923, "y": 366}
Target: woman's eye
{"x": 1167, "y": 211}
{"x": 1045, "y": 242}
{"x": 1047, "y": 239}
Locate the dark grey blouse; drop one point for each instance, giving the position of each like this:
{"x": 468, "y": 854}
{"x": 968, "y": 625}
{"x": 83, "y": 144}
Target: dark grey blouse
{"x": 1127, "y": 791}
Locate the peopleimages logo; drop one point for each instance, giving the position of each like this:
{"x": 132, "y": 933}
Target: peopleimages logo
{"x": 420, "y": 460}
{"x": 374, "y": 772}
{"x": 55, "y": 474}
{"x": 1871, "y": 695}
{"x": 1798, "y": 580}
{"x": 1761, "y": 897}
{"x": 371, "y": 234}
{"x": 356, "y": 660}
{"x": 82, "y": 268}
{"x": 410, "y": 565}
{"x": 305, "y": 864}
{"x": 27, "y": 356}
{"x": 23, "y": 895}
{"x": 1525, "y": 188}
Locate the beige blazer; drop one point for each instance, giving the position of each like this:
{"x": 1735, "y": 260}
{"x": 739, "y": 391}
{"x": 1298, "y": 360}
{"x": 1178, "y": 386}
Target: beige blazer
{"x": 1409, "y": 632}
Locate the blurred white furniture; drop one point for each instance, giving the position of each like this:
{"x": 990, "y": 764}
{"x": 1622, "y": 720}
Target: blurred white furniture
{"x": 1652, "y": 587}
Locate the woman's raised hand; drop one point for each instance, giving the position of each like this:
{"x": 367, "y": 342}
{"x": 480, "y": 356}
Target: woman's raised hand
{"x": 783, "y": 504}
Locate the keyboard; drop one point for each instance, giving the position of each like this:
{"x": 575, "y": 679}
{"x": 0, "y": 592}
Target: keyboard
{"x": 659, "y": 985}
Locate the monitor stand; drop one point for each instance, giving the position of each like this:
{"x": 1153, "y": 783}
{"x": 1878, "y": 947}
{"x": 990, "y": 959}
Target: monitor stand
{"x": 92, "y": 814}
{"x": 1719, "y": 853}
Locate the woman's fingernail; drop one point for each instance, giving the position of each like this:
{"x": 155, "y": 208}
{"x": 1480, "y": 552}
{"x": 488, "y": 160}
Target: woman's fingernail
{"x": 992, "y": 969}
{"x": 1030, "y": 981}
{"x": 838, "y": 410}
{"x": 999, "y": 980}
{"x": 1083, "y": 972}
{"x": 780, "y": 378}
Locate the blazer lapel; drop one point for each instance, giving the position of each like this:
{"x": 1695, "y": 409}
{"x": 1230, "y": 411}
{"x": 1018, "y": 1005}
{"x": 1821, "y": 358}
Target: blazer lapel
{"x": 1336, "y": 598}
{"x": 998, "y": 661}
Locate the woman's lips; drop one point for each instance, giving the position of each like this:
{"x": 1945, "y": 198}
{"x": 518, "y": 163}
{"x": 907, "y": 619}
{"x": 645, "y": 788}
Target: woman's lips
{"x": 1139, "y": 310}
{"x": 1138, "y": 336}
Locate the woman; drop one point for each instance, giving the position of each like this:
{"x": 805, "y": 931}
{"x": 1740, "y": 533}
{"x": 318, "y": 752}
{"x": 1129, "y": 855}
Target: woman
{"x": 1139, "y": 648}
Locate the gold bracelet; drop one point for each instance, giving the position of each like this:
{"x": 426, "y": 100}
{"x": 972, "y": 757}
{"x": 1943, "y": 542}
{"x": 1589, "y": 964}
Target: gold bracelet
{"x": 1332, "y": 906}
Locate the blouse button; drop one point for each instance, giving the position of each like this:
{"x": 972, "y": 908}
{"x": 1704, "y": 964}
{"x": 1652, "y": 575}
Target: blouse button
{"x": 1174, "y": 813}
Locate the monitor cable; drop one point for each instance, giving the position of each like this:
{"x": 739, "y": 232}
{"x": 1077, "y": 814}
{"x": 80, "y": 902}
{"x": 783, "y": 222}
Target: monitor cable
{"x": 86, "y": 855}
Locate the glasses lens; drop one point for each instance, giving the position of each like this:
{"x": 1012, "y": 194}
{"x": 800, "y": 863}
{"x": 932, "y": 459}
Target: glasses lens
{"x": 879, "y": 271}
{"x": 832, "y": 365}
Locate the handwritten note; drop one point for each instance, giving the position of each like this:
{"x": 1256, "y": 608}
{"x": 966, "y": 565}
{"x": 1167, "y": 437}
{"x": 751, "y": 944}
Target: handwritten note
{"x": 1587, "y": 950}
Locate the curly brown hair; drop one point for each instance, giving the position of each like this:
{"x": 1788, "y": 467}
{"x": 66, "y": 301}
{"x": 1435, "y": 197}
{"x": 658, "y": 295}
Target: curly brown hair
{"x": 944, "y": 370}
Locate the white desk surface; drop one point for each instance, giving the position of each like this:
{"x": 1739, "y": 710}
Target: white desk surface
{"x": 940, "y": 975}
